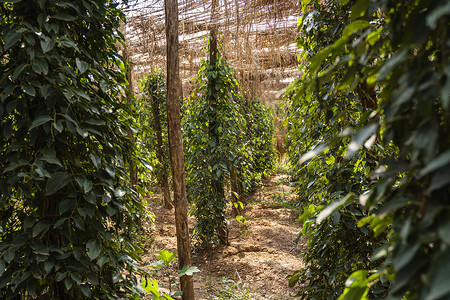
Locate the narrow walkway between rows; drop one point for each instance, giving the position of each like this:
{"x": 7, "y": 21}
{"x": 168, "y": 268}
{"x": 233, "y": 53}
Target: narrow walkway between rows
{"x": 259, "y": 257}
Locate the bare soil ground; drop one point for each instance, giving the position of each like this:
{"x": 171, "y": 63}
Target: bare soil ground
{"x": 259, "y": 257}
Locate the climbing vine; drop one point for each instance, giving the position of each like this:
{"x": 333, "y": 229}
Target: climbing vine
{"x": 214, "y": 148}
{"x": 66, "y": 210}
{"x": 259, "y": 135}
{"x": 153, "y": 133}
{"x": 385, "y": 59}
{"x": 337, "y": 246}
{"x": 226, "y": 139}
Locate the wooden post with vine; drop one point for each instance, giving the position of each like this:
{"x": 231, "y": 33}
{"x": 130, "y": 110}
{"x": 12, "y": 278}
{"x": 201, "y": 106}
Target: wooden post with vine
{"x": 218, "y": 185}
{"x": 129, "y": 94}
{"x": 164, "y": 176}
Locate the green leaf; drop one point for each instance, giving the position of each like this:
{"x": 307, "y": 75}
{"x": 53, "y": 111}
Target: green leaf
{"x": 49, "y": 155}
{"x": 241, "y": 219}
{"x": 76, "y": 277}
{"x": 2, "y": 267}
{"x": 45, "y": 90}
{"x": 145, "y": 163}
{"x": 437, "y": 163}
{"x": 440, "y": 11}
{"x": 360, "y": 138}
{"x": 444, "y": 232}
{"x": 440, "y": 179}
{"x": 48, "y": 266}
{"x": 188, "y": 271}
{"x": 40, "y": 66}
{"x": 39, "y": 247}
{"x": 355, "y": 26}
{"x": 390, "y": 64}
{"x": 440, "y": 273}
{"x": 68, "y": 283}
{"x": 151, "y": 286}
{"x": 81, "y": 94}
{"x": 85, "y": 184}
{"x": 102, "y": 260}
{"x": 40, "y": 121}
{"x": 60, "y": 276}
{"x": 405, "y": 255}
{"x": 166, "y": 256}
{"x": 47, "y": 44}
{"x": 81, "y": 65}
{"x": 39, "y": 228}
{"x": 69, "y": 43}
{"x": 332, "y": 207}
{"x": 6, "y": 92}
{"x": 313, "y": 153}
{"x": 28, "y": 222}
{"x": 374, "y": 36}
{"x": 157, "y": 264}
{"x": 95, "y": 122}
{"x": 356, "y": 286}
{"x": 359, "y": 9}
{"x": 58, "y": 125}
{"x": 59, "y": 222}
{"x": 294, "y": 279}
{"x": 86, "y": 291}
{"x": 64, "y": 17}
{"x": 29, "y": 90}
{"x": 176, "y": 294}
{"x": 318, "y": 59}
{"x": 330, "y": 160}
{"x": 56, "y": 182}
{"x": 18, "y": 71}
{"x": 8, "y": 256}
{"x": 65, "y": 205}
{"x": 11, "y": 38}
{"x": 93, "y": 250}
{"x": 95, "y": 160}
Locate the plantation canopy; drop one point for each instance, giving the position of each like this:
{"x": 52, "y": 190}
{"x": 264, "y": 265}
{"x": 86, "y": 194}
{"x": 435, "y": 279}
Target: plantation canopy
{"x": 258, "y": 38}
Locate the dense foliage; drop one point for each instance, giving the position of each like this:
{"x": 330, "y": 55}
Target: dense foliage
{"x": 65, "y": 209}
{"x": 376, "y": 89}
{"x": 226, "y": 136}
{"x": 259, "y": 135}
{"x": 213, "y": 140}
{"x": 337, "y": 247}
{"x": 151, "y": 118}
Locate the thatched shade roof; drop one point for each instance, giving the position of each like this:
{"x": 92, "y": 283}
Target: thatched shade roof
{"x": 258, "y": 38}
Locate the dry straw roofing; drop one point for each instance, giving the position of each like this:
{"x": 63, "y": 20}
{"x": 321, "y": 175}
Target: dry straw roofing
{"x": 257, "y": 37}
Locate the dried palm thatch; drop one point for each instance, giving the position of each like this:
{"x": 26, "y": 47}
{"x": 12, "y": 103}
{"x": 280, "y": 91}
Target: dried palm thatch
{"x": 257, "y": 36}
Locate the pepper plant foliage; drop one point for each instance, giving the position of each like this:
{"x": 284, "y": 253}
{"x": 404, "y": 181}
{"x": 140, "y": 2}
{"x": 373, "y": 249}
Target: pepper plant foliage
{"x": 400, "y": 49}
{"x": 154, "y": 90}
{"x": 259, "y": 135}
{"x": 337, "y": 246}
{"x": 65, "y": 209}
{"x": 212, "y": 153}
{"x": 218, "y": 140}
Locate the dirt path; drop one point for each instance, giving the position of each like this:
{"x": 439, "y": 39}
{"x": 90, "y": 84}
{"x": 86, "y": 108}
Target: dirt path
{"x": 259, "y": 258}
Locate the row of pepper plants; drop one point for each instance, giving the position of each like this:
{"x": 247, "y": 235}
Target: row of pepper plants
{"x": 369, "y": 147}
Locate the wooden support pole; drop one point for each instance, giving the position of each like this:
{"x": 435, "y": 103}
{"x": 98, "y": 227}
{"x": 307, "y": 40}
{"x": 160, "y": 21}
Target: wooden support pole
{"x": 174, "y": 93}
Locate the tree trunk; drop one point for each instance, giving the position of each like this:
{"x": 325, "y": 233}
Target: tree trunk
{"x": 176, "y": 147}
{"x": 163, "y": 178}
